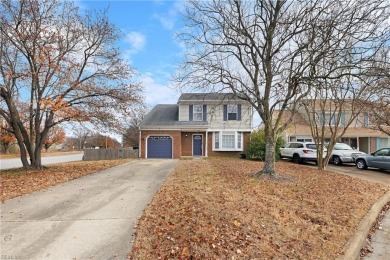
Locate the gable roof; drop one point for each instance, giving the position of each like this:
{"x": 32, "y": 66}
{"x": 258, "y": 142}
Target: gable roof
{"x": 161, "y": 115}
{"x": 167, "y": 116}
{"x": 210, "y": 97}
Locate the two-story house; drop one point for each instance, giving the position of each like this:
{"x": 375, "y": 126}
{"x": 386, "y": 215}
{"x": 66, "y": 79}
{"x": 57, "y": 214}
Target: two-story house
{"x": 200, "y": 124}
{"x": 360, "y": 133}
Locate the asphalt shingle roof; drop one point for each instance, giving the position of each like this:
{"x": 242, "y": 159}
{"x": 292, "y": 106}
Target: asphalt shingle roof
{"x": 209, "y": 97}
{"x": 166, "y": 115}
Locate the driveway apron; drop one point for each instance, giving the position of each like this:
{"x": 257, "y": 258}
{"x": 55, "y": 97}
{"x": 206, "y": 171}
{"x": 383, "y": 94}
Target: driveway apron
{"x": 88, "y": 218}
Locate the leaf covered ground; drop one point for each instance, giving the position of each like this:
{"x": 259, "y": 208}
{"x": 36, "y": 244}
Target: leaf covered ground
{"x": 218, "y": 209}
{"x": 17, "y": 182}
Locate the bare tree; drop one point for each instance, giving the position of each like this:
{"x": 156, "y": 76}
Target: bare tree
{"x": 269, "y": 51}
{"x": 378, "y": 108}
{"x": 130, "y": 135}
{"x": 62, "y": 66}
{"x": 351, "y": 76}
{"x": 330, "y": 112}
{"x": 82, "y": 133}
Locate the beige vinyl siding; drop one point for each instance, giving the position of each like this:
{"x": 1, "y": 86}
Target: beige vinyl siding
{"x": 215, "y": 115}
{"x": 184, "y": 112}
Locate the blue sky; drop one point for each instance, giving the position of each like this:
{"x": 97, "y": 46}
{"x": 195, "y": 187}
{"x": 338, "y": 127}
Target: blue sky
{"x": 149, "y": 42}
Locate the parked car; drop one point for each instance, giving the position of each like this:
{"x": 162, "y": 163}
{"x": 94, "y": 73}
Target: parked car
{"x": 300, "y": 152}
{"x": 343, "y": 153}
{"x": 379, "y": 159}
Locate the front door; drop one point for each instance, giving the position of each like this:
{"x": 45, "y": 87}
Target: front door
{"x": 197, "y": 145}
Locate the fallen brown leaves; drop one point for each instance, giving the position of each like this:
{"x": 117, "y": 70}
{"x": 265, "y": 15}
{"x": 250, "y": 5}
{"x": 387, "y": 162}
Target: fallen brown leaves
{"x": 375, "y": 226}
{"x": 17, "y": 182}
{"x": 217, "y": 209}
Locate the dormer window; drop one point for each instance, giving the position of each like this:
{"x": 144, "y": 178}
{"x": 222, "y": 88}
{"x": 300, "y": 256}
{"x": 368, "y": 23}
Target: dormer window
{"x": 198, "y": 113}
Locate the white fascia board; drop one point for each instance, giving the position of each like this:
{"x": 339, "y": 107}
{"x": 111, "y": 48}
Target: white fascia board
{"x": 229, "y": 129}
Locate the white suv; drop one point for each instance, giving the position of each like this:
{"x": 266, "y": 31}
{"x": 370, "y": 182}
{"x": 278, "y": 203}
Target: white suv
{"x": 343, "y": 153}
{"x": 300, "y": 152}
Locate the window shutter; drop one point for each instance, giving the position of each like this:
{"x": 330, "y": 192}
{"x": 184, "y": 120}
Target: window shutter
{"x": 224, "y": 112}
{"x": 239, "y": 112}
{"x": 191, "y": 112}
{"x": 204, "y": 112}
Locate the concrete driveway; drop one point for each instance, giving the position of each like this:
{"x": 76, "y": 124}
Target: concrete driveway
{"x": 89, "y": 218}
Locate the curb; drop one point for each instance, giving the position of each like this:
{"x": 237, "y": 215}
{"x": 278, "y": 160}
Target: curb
{"x": 356, "y": 242}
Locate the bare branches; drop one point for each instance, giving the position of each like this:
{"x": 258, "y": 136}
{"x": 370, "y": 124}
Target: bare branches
{"x": 273, "y": 52}
{"x": 63, "y": 66}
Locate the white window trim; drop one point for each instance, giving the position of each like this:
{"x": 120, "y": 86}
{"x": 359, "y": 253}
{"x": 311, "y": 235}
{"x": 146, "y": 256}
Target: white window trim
{"x": 201, "y": 135}
{"x": 193, "y": 113}
{"x": 236, "y": 148}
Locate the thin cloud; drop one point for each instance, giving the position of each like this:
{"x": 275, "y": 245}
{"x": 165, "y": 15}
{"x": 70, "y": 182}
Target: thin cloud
{"x": 157, "y": 93}
{"x": 136, "y": 40}
{"x": 169, "y": 19}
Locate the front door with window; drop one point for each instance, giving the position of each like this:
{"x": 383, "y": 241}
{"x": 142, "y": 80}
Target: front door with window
{"x": 197, "y": 145}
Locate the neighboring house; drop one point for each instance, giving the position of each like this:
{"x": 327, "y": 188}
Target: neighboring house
{"x": 200, "y": 124}
{"x": 359, "y": 134}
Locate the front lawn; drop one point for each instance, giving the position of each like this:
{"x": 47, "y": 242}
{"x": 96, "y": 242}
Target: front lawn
{"x": 17, "y": 182}
{"x": 217, "y": 209}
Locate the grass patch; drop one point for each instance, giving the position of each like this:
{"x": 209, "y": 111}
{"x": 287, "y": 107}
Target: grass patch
{"x": 17, "y": 182}
{"x": 217, "y": 209}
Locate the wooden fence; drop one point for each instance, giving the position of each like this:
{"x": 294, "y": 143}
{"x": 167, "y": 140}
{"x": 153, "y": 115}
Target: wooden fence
{"x": 109, "y": 154}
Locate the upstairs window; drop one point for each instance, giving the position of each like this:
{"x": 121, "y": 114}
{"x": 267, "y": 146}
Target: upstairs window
{"x": 231, "y": 112}
{"x": 331, "y": 119}
{"x": 198, "y": 113}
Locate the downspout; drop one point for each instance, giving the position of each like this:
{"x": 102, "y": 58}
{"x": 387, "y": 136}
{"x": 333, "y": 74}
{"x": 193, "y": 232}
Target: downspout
{"x": 206, "y": 152}
{"x": 139, "y": 142}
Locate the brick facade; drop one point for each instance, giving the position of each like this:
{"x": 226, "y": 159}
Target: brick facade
{"x": 186, "y": 143}
{"x": 182, "y": 143}
{"x": 372, "y": 144}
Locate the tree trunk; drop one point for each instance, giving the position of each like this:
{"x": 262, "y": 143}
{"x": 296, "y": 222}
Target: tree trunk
{"x": 38, "y": 159}
{"x": 23, "y": 155}
{"x": 269, "y": 162}
{"x": 320, "y": 159}
{"x": 6, "y": 148}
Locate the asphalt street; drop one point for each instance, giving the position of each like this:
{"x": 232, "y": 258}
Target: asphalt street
{"x": 16, "y": 163}
{"x": 371, "y": 174}
{"x": 92, "y": 217}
